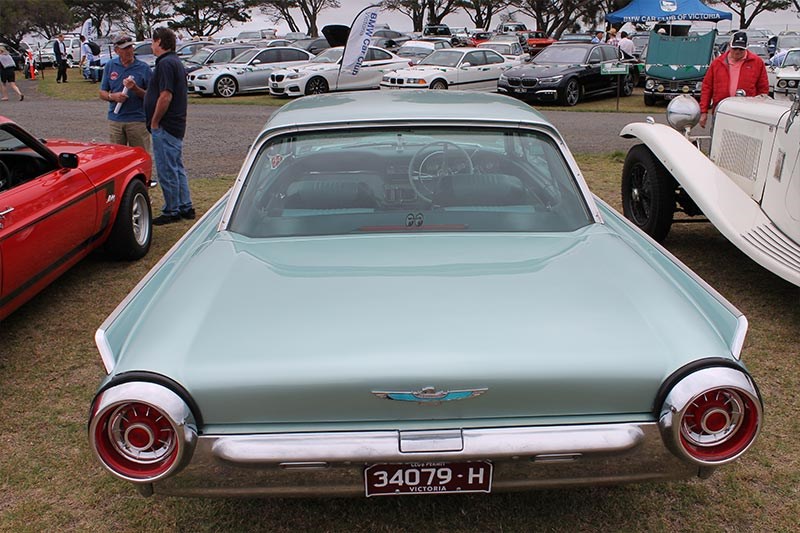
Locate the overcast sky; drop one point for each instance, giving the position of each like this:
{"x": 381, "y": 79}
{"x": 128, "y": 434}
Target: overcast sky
{"x": 344, "y": 15}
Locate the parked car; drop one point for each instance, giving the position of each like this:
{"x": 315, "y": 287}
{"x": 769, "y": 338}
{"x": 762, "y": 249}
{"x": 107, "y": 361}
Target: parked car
{"x": 247, "y": 72}
{"x": 314, "y": 45}
{"x": 440, "y": 30}
{"x": 261, "y": 356}
{"x": 72, "y": 42}
{"x": 576, "y": 37}
{"x": 785, "y": 76}
{"x": 760, "y": 50}
{"x": 256, "y": 35}
{"x": 537, "y": 41}
{"x": 215, "y": 55}
{"x": 510, "y": 50}
{"x": 640, "y": 40}
{"x": 186, "y": 50}
{"x": 676, "y": 65}
{"x": 749, "y": 186}
{"x": 322, "y": 74}
{"x": 511, "y": 27}
{"x": 478, "y": 37}
{"x": 395, "y": 36}
{"x": 59, "y": 201}
{"x": 474, "y": 69}
{"x": 568, "y": 72}
{"x": 416, "y": 51}
{"x": 783, "y": 42}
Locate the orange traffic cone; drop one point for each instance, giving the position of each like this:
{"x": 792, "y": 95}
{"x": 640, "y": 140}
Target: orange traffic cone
{"x": 32, "y": 67}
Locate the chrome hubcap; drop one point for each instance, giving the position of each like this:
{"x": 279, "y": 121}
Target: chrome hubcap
{"x": 140, "y": 220}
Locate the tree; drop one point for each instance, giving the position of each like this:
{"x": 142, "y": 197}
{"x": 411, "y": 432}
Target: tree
{"x": 142, "y": 16}
{"x": 422, "y": 11}
{"x": 14, "y": 23}
{"x": 740, "y": 7}
{"x": 311, "y": 10}
{"x": 280, "y": 10}
{"x": 555, "y": 16}
{"x": 480, "y": 12}
{"x": 99, "y": 11}
{"x": 206, "y": 17}
{"x": 49, "y": 17}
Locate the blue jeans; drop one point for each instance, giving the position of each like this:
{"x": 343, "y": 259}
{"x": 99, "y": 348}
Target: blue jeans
{"x": 168, "y": 155}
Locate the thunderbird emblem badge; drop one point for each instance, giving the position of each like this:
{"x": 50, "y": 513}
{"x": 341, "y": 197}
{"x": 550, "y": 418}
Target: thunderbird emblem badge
{"x": 429, "y": 395}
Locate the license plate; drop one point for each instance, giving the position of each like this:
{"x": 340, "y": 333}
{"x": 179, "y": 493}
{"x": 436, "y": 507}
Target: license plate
{"x": 520, "y": 90}
{"x": 428, "y": 478}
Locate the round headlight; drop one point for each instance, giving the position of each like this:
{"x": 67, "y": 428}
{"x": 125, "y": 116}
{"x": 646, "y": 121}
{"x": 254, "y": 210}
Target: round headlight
{"x": 649, "y": 84}
{"x": 792, "y": 83}
{"x": 781, "y": 83}
{"x": 683, "y": 112}
{"x": 660, "y": 88}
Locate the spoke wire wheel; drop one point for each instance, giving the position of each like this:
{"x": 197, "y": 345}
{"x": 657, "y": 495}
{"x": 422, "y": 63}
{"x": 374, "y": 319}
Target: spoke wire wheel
{"x": 627, "y": 85}
{"x": 226, "y": 86}
{"x": 648, "y": 192}
{"x": 140, "y": 219}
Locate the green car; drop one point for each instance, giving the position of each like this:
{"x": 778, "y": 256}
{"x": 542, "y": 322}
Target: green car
{"x": 414, "y": 292}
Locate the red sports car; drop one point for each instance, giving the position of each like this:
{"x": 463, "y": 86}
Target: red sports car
{"x": 59, "y": 200}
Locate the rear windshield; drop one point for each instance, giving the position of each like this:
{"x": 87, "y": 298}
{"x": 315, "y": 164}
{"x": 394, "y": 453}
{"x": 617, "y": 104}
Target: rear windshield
{"x": 409, "y": 179}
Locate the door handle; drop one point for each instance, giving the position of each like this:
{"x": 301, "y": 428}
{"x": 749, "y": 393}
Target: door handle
{"x": 6, "y": 211}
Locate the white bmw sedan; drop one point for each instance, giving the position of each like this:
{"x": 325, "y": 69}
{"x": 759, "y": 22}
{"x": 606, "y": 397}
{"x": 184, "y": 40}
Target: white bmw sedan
{"x": 459, "y": 68}
{"x": 322, "y": 74}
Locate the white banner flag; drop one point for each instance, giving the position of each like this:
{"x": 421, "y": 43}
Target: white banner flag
{"x": 87, "y": 29}
{"x": 359, "y": 40}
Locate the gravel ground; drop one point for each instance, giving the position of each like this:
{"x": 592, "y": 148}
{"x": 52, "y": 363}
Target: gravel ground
{"x": 218, "y": 136}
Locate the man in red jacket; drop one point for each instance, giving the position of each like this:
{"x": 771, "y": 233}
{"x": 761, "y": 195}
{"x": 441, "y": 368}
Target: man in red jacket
{"x": 736, "y": 69}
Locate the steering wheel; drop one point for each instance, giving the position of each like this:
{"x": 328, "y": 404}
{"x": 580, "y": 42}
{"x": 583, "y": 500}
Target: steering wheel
{"x": 5, "y": 176}
{"x": 431, "y": 162}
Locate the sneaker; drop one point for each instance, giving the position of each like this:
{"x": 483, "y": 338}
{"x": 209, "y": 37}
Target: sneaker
{"x": 152, "y": 183}
{"x": 21, "y": 97}
{"x": 189, "y": 214}
{"x": 166, "y": 219}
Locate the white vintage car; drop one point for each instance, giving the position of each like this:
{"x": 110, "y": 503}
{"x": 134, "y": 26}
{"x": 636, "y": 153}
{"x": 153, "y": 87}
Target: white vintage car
{"x": 785, "y": 76}
{"x": 748, "y": 187}
{"x": 474, "y": 69}
{"x": 322, "y": 74}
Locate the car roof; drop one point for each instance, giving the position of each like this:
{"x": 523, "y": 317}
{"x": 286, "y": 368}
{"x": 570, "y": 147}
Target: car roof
{"x": 400, "y": 106}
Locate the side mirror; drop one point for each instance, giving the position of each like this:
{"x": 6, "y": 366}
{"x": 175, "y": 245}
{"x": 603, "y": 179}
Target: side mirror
{"x": 67, "y": 160}
{"x": 256, "y": 62}
{"x": 466, "y": 65}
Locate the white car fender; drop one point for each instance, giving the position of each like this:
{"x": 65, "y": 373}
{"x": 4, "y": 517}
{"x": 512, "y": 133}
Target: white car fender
{"x": 732, "y": 211}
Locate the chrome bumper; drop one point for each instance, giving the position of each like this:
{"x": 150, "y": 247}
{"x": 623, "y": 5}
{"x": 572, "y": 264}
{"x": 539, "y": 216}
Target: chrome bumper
{"x": 332, "y": 464}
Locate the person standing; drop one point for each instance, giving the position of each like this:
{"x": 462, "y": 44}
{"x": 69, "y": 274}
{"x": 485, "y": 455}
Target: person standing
{"x": 88, "y": 61}
{"x": 736, "y": 69}
{"x": 7, "y": 75}
{"x": 612, "y": 37}
{"x": 598, "y": 37}
{"x": 626, "y": 44}
{"x": 60, "y": 53}
{"x": 165, "y": 104}
{"x": 127, "y": 126}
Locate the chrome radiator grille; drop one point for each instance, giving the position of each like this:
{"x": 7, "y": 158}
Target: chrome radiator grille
{"x": 739, "y": 153}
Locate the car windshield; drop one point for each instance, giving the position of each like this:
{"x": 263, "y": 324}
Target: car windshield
{"x": 789, "y": 41}
{"x": 331, "y": 55}
{"x": 564, "y": 55}
{"x": 200, "y": 56}
{"x": 409, "y": 179}
{"x": 408, "y": 51}
{"x": 436, "y": 30}
{"x": 9, "y": 142}
{"x": 443, "y": 58}
{"x": 792, "y": 59}
{"x": 246, "y": 56}
{"x": 500, "y": 48}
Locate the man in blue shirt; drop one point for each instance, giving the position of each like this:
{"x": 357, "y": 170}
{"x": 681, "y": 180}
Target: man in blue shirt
{"x": 127, "y": 120}
{"x": 165, "y": 104}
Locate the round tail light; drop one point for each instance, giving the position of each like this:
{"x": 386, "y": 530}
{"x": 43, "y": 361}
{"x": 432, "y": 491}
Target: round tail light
{"x": 711, "y": 416}
{"x": 141, "y": 431}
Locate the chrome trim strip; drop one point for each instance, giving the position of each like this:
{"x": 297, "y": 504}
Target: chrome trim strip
{"x": 384, "y": 446}
{"x": 106, "y": 353}
{"x": 522, "y": 457}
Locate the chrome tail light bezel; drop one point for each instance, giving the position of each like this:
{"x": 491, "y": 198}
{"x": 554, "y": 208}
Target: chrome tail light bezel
{"x": 711, "y": 416}
{"x": 122, "y": 431}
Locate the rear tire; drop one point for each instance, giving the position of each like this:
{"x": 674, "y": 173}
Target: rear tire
{"x": 648, "y": 192}
{"x": 627, "y": 85}
{"x": 132, "y": 233}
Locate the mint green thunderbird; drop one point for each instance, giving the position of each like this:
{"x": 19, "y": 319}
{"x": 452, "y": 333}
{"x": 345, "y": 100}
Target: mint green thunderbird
{"x": 414, "y": 292}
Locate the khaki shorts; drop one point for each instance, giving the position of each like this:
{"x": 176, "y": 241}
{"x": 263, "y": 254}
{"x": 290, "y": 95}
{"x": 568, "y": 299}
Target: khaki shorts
{"x": 130, "y": 134}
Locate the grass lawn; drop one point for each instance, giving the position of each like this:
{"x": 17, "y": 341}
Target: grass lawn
{"x": 50, "y": 368}
{"x": 80, "y": 89}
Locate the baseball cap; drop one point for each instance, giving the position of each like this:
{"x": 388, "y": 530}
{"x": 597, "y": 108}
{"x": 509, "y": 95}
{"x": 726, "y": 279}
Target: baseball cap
{"x": 123, "y": 40}
{"x": 739, "y": 40}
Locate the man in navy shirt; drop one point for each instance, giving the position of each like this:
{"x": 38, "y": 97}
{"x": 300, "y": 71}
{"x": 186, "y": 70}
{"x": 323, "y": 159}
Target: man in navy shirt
{"x": 60, "y": 53}
{"x": 165, "y": 104}
{"x": 127, "y": 124}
